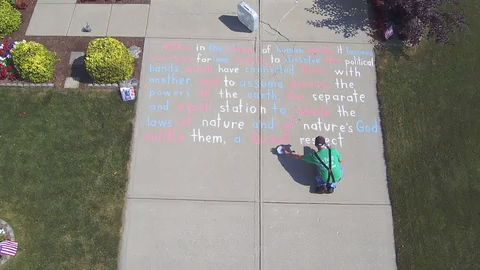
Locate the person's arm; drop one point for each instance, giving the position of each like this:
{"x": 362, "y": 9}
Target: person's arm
{"x": 295, "y": 156}
{"x": 339, "y": 156}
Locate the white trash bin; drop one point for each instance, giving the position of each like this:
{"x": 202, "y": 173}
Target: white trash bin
{"x": 247, "y": 16}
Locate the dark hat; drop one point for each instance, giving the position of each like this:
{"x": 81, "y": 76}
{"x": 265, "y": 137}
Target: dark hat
{"x": 319, "y": 140}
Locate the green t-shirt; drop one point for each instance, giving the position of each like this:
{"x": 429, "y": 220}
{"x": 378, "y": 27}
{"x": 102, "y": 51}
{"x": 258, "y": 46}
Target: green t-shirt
{"x": 323, "y": 154}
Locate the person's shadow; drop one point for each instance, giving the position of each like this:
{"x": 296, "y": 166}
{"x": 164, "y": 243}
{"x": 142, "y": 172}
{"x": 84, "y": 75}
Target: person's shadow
{"x": 301, "y": 172}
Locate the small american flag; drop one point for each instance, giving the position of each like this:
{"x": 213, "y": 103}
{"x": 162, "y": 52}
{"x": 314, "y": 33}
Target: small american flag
{"x": 389, "y": 32}
{"x": 8, "y": 248}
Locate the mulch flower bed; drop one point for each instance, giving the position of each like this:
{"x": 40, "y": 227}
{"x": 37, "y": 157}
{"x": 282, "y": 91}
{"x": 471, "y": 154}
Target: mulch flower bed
{"x": 64, "y": 45}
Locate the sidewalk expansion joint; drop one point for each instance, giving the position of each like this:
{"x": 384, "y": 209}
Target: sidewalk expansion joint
{"x": 319, "y": 42}
{"x": 328, "y": 203}
{"x": 190, "y": 199}
{"x": 71, "y": 19}
{"x": 254, "y": 201}
{"x": 198, "y": 14}
{"x": 205, "y": 38}
{"x": 259, "y": 40}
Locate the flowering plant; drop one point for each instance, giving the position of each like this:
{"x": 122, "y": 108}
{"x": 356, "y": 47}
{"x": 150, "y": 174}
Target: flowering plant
{"x": 3, "y": 235}
{"x": 7, "y": 67}
{"x": 20, "y": 4}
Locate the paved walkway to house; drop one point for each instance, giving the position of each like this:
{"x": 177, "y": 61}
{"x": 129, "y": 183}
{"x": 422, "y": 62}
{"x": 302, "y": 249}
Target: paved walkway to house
{"x": 205, "y": 191}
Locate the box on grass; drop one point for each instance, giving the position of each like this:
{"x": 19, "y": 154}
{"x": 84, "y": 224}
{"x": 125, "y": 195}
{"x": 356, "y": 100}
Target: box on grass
{"x": 127, "y": 91}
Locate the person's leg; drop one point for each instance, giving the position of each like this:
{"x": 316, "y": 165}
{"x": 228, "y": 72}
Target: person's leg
{"x": 332, "y": 186}
{"x": 321, "y": 185}
{"x": 320, "y": 181}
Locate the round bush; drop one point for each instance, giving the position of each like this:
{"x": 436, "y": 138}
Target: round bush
{"x": 108, "y": 61}
{"x": 10, "y": 19}
{"x": 34, "y": 62}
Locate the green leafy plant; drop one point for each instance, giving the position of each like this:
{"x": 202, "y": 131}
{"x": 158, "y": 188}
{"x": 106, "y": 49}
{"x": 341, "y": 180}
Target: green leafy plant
{"x": 108, "y": 61}
{"x": 34, "y": 62}
{"x": 10, "y": 18}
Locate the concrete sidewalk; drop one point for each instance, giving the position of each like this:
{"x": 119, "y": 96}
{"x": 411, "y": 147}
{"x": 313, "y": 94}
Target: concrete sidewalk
{"x": 119, "y": 20}
{"x": 206, "y": 192}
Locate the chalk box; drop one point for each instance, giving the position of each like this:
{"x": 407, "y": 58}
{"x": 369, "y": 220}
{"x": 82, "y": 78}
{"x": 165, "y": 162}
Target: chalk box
{"x": 247, "y": 16}
{"x": 128, "y": 93}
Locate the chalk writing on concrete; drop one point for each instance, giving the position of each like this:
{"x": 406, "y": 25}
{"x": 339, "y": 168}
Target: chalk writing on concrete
{"x": 220, "y": 93}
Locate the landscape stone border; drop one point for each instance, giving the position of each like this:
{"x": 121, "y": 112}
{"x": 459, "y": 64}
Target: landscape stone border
{"x": 21, "y": 84}
{"x": 10, "y": 235}
{"x": 90, "y": 85}
{"x": 108, "y": 85}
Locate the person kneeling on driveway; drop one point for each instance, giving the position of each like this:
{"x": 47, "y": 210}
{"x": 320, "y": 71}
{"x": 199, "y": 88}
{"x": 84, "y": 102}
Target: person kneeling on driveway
{"x": 328, "y": 163}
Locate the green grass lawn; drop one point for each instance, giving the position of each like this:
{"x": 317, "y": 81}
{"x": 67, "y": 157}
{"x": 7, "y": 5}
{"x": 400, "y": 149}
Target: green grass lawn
{"x": 430, "y": 105}
{"x": 63, "y": 175}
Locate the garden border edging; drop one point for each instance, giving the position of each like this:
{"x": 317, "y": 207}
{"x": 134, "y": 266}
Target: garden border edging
{"x": 33, "y": 85}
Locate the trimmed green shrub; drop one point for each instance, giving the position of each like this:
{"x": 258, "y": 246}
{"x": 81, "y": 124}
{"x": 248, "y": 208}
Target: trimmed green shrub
{"x": 108, "y": 61}
{"x": 34, "y": 62}
{"x": 10, "y": 19}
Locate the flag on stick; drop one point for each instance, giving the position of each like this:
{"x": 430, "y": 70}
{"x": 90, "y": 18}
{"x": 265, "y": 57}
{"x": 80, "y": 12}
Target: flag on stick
{"x": 389, "y": 32}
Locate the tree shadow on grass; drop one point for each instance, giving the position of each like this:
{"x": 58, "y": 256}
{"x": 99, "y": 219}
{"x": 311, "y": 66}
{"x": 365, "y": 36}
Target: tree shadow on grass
{"x": 347, "y": 17}
{"x": 351, "y": 17}
{"x": 300, "y": 171}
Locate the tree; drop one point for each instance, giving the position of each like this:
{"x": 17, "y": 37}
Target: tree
{"x": 435, "y": 18}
